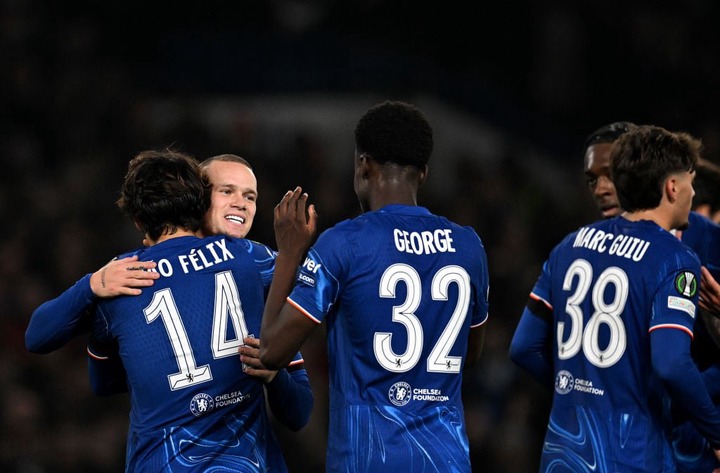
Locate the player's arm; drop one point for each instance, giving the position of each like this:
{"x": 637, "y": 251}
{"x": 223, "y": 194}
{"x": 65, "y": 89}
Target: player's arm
{"x": 531, "y": 344}
{"x": 106, "y": 371}
{"x": 283, "y": 330}
{"x": 288, "y": 390}
{"x": 284, "y": 327}
{"x": 105, "y": 368}
{"x": 290, "y": 396}
{"x": 55, "y": 322}
{"x": 671, "y": 360}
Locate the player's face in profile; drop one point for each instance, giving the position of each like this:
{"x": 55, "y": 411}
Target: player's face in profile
{"x": 685, "y": 194}
{"x": 597, "y": 175}
{"x": 234, "y": 199}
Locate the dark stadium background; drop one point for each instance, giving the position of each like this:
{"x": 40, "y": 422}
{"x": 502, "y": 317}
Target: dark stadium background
{"x": 512, "y": 88}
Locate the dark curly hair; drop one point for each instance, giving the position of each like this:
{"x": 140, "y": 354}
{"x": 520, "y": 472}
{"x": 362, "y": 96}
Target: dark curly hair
{"x": 643, "y": 158}
{"x": 395, "y": 132}
{"x": 164, "y": 191}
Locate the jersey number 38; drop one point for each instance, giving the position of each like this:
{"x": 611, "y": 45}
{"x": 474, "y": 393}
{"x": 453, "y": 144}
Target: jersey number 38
{"x": 605, "y": 313}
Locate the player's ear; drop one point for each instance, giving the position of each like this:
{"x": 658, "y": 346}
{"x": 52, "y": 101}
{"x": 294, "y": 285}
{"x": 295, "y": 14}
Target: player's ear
{"x": 363, "y": 159}
{"x": 422, "y": 176}
{"x": 363, "y": 165}
{"x": 671, "y": 188}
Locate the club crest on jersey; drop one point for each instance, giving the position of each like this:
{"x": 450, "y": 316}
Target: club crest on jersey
{"x": 400, "y": 393}
{"x": 201, "y": 404}
{"x": 564, "y": 382}
{"x": 686, "y": 284}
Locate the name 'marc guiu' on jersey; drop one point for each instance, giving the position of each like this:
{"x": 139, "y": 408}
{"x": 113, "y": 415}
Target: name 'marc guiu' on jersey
{"x": 399, "y": 289}
{"x": 609, "y": 285}
{"x": 191, "y": 403}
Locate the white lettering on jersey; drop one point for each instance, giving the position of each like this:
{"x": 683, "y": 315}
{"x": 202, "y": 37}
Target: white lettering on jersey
{"x": 197, "y": 259}
{"x": 311, "y": 265}
{"x": 425, "y": 242}
{"x": 625, "y": 246}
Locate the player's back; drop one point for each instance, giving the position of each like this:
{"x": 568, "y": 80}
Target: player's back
{"x": 192, "y": 407}
{"x": 609, "y": 284}
{"x": 411, "y": 285}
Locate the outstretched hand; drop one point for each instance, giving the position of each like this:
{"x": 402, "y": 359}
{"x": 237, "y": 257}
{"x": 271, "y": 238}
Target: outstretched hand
{"x": 295, "y": 223}
{"x": 123, "y": 277}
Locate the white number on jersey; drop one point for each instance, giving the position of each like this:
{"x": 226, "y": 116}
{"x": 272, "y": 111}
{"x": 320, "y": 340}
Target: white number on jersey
{"x": 608, "y": 314}
{"x": 227, "y": 305}
{"x": 439, "y": 360}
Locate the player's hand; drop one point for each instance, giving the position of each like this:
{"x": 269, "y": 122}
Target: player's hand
{"x": 709, "y": 293}
{"x": 295, "y": 223}
{"x": 250, "y": 358}
{"x": 123, "y": 277}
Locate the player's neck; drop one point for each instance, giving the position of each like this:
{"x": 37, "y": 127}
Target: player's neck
{"x": 654, "y": 215}
{"x": 392, "y": 193}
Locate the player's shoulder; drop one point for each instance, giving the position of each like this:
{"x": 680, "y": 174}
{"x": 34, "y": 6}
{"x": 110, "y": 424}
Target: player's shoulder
{"x": 137, "y": 252}
{"x": 579, "y": 234}
{"x": 695, "y": 218}
{"x": 142, "y": 253}
{"x": 607, "y": 233}
{"x": 246, "y": 245}
{"x": 665, "y": 247}
{"x": 701, "y": 227}
{"x": 464, "y": 235}
{"x": 347, "y": 227}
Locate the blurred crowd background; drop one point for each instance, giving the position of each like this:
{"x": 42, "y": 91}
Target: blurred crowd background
{"x": 511, "y": 88}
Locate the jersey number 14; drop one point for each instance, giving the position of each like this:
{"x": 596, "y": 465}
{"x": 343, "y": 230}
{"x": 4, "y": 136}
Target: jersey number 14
{"x": 227, "y": 306}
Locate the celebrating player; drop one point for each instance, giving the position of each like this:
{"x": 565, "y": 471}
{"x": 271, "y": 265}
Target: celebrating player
{"x": 610, "y": 321}
{"x": 192, "y": 407}
{"x": 691, "y": 450}
{"x": 404, "y": 295}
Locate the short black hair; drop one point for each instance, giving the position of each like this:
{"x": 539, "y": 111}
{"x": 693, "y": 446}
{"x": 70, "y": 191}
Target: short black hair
{"x": 608, "y": 133}
{"x": 163, "y": 191}
{"x": 643, "y": 158}
{"x": 395, "y": 132}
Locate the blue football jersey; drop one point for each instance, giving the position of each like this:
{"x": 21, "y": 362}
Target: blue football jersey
{"x": 692, "y": 451}
{"x": 399, "y": 289}
{"x": 703, "y": 236}
{"x": 609, "y": 285}
{"x": 192, "y": 407}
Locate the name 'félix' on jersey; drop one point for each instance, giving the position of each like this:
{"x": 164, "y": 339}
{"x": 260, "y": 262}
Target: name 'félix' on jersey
{"x": 197, "y": 259}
